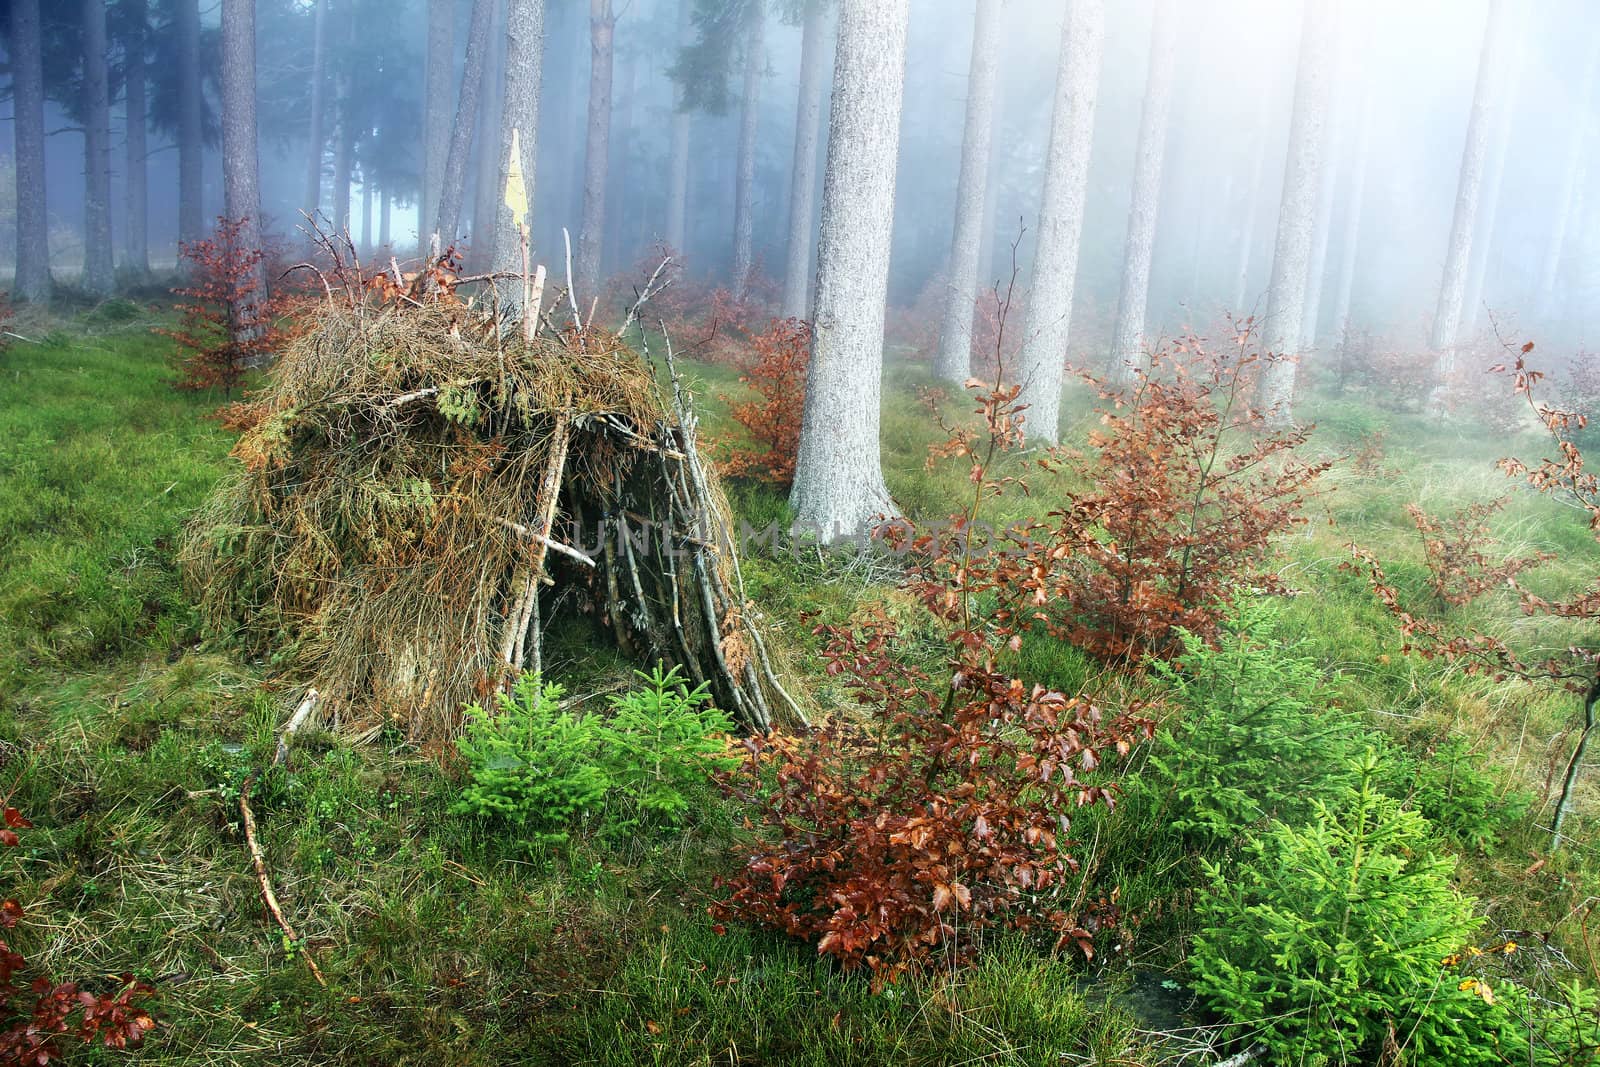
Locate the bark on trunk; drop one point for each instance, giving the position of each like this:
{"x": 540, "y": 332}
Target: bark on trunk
{"x": 597, "y": 147}
{"x": 191, "y": 135}
{"x": 755, "y": 59}
{"x": 241, "y": 174}
{"x": 1352, "y": 231}
{"x": 99, "y": 267}
{"x": 453, "y": 190}
{"x": 315, "y": 138}
{"x": 366, "y": 215}
{"x": 1127, "y": 341}
{"x": 32, "y": 282}
{"x": 383, "y": 219}
{"x": 435, "y": 117}
{"x": 490, "y": 186}
{"x": 1055, "y": 262}
{"x": 803, "y": 187}
{"x": 136, "y": 239}
{"x": 1291, "y": 253}
{"x": 1453, "y": 286}
{"x": 1569, "y": 184}
{"x": 838, "y": 484}
{"x": 524, "y": 74}
{"x": 678, "y": 167}
{"x": 1489, "y": 202}
{"x": 1247, "y": 229}
{"x": 954, "y": 363}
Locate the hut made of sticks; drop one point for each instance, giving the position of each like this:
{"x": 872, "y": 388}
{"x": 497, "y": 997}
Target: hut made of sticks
{"x": 419, "y": 483}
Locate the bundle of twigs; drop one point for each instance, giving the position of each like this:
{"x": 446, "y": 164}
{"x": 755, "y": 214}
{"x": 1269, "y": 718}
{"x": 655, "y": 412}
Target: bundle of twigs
{"x": 421, "y": 474}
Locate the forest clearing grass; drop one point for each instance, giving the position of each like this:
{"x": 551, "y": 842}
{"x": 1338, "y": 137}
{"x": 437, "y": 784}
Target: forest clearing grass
{"x": 442, "y": 941}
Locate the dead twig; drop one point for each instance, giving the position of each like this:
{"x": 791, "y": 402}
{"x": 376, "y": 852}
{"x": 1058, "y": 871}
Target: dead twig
{"x": 265, "y": 880}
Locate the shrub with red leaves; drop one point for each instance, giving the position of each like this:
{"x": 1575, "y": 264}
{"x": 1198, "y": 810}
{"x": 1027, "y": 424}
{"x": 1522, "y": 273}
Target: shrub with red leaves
{"x": 1188, "y": 487}
{"x": 34, "y": 1021}
{"x": 1563, "y": 476}
{"x": 775, "y": 369}
{"x": 227, "y": 322}
{"x": 903, "y": 841}
{"x": 1459, "y": 552}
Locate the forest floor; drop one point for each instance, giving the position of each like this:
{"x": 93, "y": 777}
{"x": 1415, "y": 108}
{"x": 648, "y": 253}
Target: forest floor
{"x": 126, "y": 739}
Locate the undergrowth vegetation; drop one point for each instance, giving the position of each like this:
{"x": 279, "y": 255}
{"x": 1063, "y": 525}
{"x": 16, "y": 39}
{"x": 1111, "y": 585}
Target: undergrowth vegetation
{"x": 1318, "y": 841}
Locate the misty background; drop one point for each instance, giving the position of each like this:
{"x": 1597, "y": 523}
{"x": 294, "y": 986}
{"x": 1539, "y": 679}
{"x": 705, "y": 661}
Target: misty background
{"x": 1412, "y": 63}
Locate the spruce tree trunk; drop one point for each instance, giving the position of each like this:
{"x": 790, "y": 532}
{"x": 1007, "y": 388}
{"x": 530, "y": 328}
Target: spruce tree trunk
{"x": 803, "y": 186}
{"x": 755, "y": 60}
{"x": 954, "y": 362}
{"x": 597, "y": 148}
{"x": 1291, "y": 253}
{"x": 136, "y": 237}
{"x": 99, "y": 268}
{"x": 241, "y": 173}
{"x": 1247, "y": 229}
{"x": 191, "y": 135}
{"x": 383, "y": 219}
{"x": 1055, "y": 261}
{"x": 343, "y": 161}
{"x": 524, "y": 74}
{"x": 1352, "y": 231}
{"x": 315, "y": 137}
{"x": 838, "y": 483}
{"x": 366, "y": 215}
{"x": 1127, "y": 340}
{"x": 435, "y": 117}
{"x": 1551, "y": 267}
{"x": 614, "y": 249}
{"x": 1453, "y": 286}
{"x": 32, "y": 281}
{"x": 488, "y": 185}
{"x": 453, "y": 188}
{"x": 1489, "y": 203}
{"x": 678, "y": 154}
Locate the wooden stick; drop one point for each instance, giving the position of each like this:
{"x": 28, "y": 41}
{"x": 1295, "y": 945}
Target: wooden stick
{"x": 308, "y": 704}
{"x": 265, "y": 880}
{"x": 555, "y": 546}
{"x": 577, "y": 319}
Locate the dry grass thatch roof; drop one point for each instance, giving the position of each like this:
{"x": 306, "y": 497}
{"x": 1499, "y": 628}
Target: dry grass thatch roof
{"x": 418, "y": 479}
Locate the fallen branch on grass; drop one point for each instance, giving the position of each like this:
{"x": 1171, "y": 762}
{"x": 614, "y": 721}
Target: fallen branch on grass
{"x": 265, "y": 880}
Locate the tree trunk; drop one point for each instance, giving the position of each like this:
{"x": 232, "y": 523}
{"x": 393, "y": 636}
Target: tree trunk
{"x": 1291, "y": 252}
{"x": 241, "y": 173}
{"x": 490, "y": 184}
{"x": 1489, "y": 203}
{"x": 1569, "y": 780}
{"x": 1352, "y": 230}
{"x": 435, "y": 117}
{"x": 1247, "y": 229}
{"x": 1055, "y": 261}
{"x": 1127, "y": 341}
{"x": 32, "y": 281}
{"x": 838, "y": 483}
{"x": 343, "y": 161}
{"x": 191, "y": 134}
{"x": 366, "y": 215}
{"x": 803, "y": 188}
{"x": 597, "y": 147}
{"x": 614, "y": 249}
{"x": 524, "y": 75}
{"x": 678, "y": 167}
{"x": 315, "y": 137}
{"x": 453, "y": 190}
{"x": 136, "y": 237}
{"x": 1569, "y": 184}
{"x": 99, "y": 268}
{"x": 954, "y": 363}
{"x": 755, "y": 60}
{"x": 1453, "y": 286}
{"x": 383, "y": 219}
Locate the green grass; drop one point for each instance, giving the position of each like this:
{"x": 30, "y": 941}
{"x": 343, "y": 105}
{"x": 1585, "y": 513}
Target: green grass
{"x": 127, "y": 740}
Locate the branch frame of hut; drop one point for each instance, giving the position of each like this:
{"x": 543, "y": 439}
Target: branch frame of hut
{"x": 418, "y": 476}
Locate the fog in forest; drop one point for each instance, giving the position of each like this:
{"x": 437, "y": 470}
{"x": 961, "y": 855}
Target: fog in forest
{"x": 1402, "y": 97}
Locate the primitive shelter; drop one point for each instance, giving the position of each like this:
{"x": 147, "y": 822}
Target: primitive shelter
{"x": 422, "y": 484}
